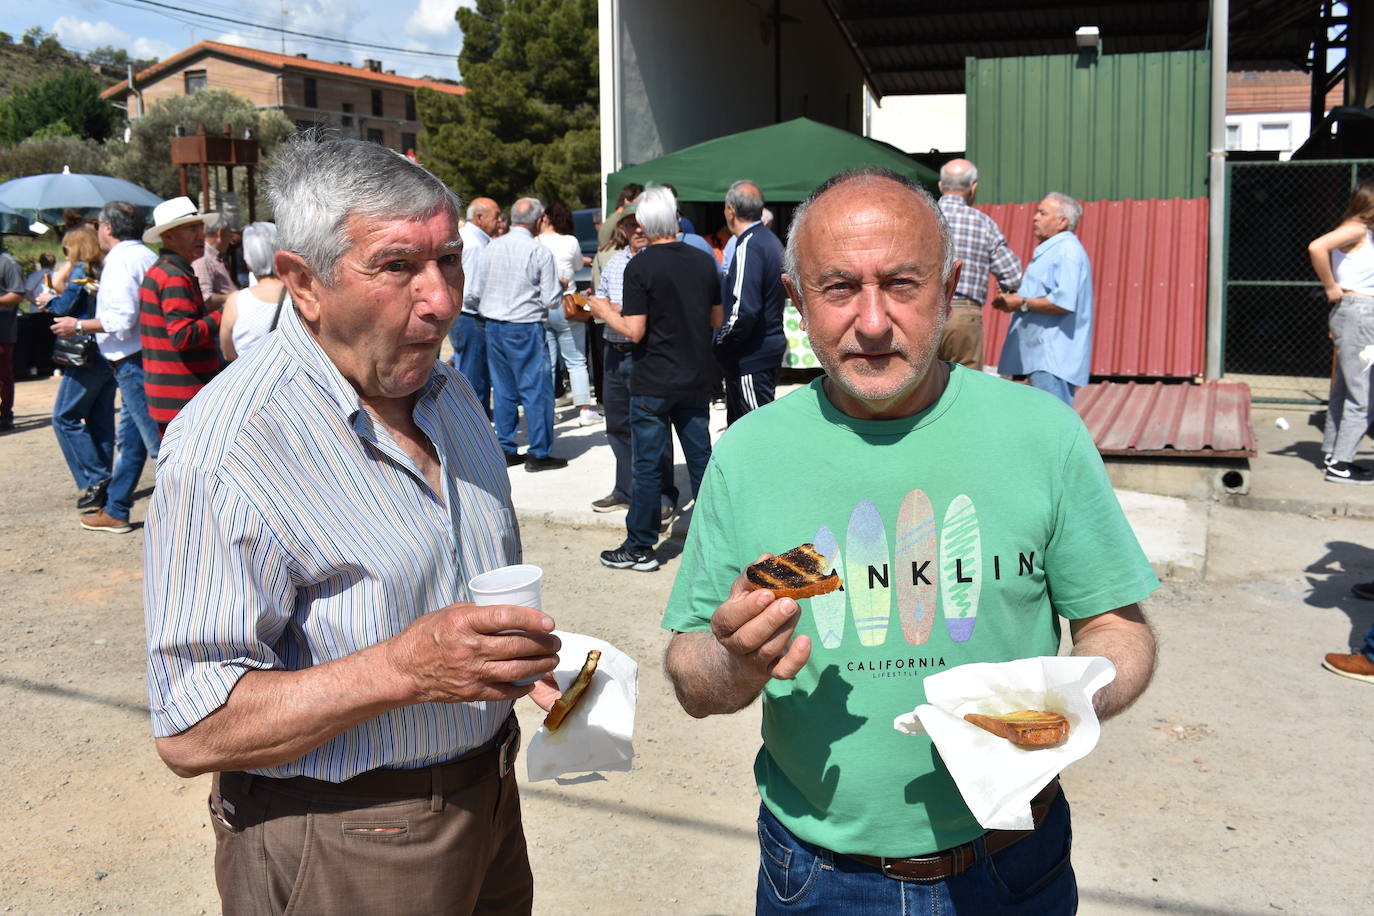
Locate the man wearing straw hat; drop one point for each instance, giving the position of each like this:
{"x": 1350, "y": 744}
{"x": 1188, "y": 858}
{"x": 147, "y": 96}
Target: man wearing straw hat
{"x": 180, "y": 337}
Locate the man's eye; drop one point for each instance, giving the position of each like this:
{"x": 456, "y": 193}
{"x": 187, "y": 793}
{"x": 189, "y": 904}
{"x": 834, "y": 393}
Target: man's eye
{"x": 448, "y": 260}
{"x": 396, "y": 266}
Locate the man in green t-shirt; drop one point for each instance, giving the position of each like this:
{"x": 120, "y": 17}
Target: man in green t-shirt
{"x": 967, "y": 517}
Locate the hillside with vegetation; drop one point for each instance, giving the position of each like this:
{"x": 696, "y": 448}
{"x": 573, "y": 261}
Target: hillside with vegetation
{"x": 35, "y": 57}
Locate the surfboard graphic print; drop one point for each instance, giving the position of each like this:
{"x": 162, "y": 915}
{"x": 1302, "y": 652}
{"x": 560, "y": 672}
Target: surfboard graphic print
{"x": 868, "y": 574}
{"x": 914, "y": 567}
{"x": 828, "y": 610}
{"x": 961, "y": 568}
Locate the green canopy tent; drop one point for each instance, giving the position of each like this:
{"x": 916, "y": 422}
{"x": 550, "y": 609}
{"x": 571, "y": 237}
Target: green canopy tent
{"x": 786, "y": 160}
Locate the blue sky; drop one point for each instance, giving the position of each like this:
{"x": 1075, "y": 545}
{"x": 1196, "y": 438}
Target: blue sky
{"x": 146, "y": 31}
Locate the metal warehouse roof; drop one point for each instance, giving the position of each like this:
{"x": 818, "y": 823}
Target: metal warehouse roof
{"x": 910, "y": 48}
{"x": 1149, "y": 260}
{"x": 1156, "y": 419}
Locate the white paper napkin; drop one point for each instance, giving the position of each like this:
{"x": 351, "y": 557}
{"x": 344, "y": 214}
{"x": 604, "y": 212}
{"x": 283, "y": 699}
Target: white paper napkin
{"x": 597, "y": 735}
{"x": 997, "y": 778}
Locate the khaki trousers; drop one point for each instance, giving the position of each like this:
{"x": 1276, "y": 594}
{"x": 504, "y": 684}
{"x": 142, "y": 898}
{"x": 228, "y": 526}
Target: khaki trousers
{"x": 962, "y": 342}
{"x": 280, "y": 849}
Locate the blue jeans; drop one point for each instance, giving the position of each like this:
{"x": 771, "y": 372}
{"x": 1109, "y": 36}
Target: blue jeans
{"x": 469, "y": 339}
{"x": 615, "y": 397}
{"x": 1031, "y": 878}
{"x": 138, "y": 438}
{"x": 519, "y": 364}
{"x": 1048, "y": 381}
{"x": 570, "y": 339}
{"x": 83, "y": 421}
{"x": 652, "y": 420}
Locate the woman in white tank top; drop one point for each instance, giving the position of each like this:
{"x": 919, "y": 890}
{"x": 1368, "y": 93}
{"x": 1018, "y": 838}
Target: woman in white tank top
{"x": 1343, "y": 260}
{"x": 250, "y": 314}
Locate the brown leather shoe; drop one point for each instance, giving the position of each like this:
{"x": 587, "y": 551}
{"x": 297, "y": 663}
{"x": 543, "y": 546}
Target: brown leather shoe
{"x": 104, "y": 521}
{"x": 1354, "y": 665}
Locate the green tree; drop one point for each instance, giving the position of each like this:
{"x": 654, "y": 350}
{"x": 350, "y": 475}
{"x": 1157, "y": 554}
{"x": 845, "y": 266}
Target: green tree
{"x": 42, "y": 155}
{"x": 529, "y": 123}
{"x": 72, "y": 97}
{"x": 147, "y": 158}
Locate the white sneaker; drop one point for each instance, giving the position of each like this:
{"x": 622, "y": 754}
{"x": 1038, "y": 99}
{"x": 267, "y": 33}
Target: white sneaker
{"x": 589, "y": 417}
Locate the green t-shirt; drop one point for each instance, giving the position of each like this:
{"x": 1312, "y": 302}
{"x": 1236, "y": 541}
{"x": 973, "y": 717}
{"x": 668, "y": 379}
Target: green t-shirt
{"x": 959, "y": 533}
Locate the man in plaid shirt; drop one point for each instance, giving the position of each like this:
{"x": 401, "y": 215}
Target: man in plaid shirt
{"x": 980, "y": 245}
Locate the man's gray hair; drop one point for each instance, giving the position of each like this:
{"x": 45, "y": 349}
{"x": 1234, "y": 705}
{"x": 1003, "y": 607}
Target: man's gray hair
{"x": 955, "y": 176}
{"x": 316, "y": 186}
{"x": 526, "y": 212}
{"x": 790, "y": 265}
{"x": 656, "y": 211}
{"x": 1069, "y": 208}
{"x": 124, "y": 219}
{"x": 260, "y": 248}
{"x": 746, "y": 199}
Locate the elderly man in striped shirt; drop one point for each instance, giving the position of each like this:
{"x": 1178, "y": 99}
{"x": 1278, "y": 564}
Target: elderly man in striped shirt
{"x": 317, "y": 517}
{"x": 982, "y": 248}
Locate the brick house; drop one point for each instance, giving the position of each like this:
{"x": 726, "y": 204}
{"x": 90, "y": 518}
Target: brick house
{"x": 1270, "y": 110}
{"x": 364, "y": 102}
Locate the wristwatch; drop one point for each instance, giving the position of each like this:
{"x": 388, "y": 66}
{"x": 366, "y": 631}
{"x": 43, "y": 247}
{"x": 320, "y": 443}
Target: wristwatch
{"x": 1024, "y": 306}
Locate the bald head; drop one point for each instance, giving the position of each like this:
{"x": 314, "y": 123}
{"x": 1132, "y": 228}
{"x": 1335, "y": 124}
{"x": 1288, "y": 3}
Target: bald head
{"x": 959, "y": 176}
{"x": 483, "y": 212}
{"x": 867, "y": 182}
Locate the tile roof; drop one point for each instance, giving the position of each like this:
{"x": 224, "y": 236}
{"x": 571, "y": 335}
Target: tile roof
{"x": 1274, "y": 90}
{"x": 283, "y": 62}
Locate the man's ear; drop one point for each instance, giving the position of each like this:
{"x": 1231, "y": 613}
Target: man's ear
{"x": 301, "y": 282}
{"x": 794, "y": 294}
{"x": 953, "y": 283}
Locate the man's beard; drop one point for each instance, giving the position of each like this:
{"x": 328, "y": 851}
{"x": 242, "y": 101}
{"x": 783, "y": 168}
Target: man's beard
{"x": 834, "y": 365}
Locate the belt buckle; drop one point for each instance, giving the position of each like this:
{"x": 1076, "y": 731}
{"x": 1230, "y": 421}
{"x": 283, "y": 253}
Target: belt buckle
{"x": 510, "y": 746}
{"x": 886, "y": 868}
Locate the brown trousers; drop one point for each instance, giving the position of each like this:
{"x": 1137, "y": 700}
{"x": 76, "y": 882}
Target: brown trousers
{"x": 280, "y": 849}
{"x": 962, "y": 342}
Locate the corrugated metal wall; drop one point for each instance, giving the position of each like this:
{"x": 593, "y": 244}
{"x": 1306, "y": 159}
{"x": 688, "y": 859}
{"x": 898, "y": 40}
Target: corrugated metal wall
{"x": 1113, "y": 127}
{"x": 1149, "y": 260}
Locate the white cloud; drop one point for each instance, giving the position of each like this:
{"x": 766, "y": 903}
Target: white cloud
{"x": 80, "y": 35}
{"x": 432, "y": 19}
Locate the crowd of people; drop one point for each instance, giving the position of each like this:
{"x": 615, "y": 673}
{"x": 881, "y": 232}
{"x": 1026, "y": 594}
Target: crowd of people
{"x": 319, "y": 653}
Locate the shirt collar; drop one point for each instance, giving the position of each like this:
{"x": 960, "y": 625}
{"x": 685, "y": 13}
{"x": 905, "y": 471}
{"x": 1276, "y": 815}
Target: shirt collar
{"x": 473, "y": 227}
{"x": 1052, "y": 241}
{"x": 320, "y": 368}
{"x": 521, "y": 229}
{"x": 957, "y": 200}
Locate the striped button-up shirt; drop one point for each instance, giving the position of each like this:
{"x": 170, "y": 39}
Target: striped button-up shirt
{"x": 612, "y": 286}
{"x": 982, "y": 247}
{"x": 288, "y": 528}
{"x": 516, "y": 280}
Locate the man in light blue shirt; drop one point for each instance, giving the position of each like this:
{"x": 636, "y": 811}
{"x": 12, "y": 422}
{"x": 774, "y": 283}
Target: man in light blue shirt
{"x": 515, "y": 285}
{"x": 1050, "y": 340}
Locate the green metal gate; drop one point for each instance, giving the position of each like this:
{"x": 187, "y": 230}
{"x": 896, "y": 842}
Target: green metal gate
{"x": 1275, "y": 310}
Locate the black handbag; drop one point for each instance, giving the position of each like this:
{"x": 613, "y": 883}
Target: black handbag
{"x": 77, "y": 350}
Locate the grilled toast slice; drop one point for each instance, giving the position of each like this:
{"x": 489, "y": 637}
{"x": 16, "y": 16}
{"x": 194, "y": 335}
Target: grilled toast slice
{"x": 1025, "y": 727}
{"x": 799, "y": 573}
{"x": 564, "y": 704}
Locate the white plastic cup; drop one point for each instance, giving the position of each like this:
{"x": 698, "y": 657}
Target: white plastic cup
{"x": 518, "y": 585}
{"x": 1281, "y": 423}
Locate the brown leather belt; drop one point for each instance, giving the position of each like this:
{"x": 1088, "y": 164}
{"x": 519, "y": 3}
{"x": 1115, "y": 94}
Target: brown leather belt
{"x": 947, "y": 863}
{"x": 495, "y": 758}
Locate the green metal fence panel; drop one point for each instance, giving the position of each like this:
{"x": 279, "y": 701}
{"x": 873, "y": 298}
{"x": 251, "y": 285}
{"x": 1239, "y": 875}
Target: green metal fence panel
{"x": 1097, "y": 127}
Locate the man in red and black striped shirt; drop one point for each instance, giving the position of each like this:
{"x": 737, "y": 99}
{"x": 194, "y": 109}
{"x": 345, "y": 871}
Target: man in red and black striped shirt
{"x": 180, "y": 338}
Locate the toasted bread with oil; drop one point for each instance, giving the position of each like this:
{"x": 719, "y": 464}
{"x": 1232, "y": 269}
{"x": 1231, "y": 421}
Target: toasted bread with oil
{"x": 798, "y": 573}
{"x": 1025, "y": 727}
{"x": 564, "y": 704}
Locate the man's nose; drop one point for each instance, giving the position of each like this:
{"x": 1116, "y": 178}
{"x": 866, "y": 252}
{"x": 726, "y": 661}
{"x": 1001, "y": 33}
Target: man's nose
{"x": 872, "y": 318}
{"x": 436, "y": 297}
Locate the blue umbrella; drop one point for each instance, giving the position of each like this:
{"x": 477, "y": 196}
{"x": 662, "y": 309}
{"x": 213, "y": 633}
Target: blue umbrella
{"x": 71, "y": 191}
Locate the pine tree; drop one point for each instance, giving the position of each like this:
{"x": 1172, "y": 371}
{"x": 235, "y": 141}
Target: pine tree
{"x": 529, "y": 121}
